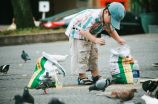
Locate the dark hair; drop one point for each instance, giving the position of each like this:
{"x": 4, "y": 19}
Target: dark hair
{"x": 106, "y": 8}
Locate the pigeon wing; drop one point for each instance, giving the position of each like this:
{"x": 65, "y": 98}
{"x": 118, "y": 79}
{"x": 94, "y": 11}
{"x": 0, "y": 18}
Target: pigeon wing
{"x": 23, "y": 56}
{"x": 41, "y": 85}
{"x": 6, "y": 68}
{"x": 124, "y": 95}
{"x": 27, "y": 56}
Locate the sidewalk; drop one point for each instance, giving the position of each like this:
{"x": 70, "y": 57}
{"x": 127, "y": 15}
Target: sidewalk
{"x": 144, "y": 48}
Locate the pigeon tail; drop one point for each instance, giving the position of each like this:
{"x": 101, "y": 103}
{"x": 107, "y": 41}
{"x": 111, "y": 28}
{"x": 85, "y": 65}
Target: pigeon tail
{"x": 104, "y": 93}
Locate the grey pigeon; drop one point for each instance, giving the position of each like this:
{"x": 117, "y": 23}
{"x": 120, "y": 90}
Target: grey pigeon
{"x": 120, "y": 96}
{"x": 55, "y": 101}
{"x": 25, "y": 56}
{"x": 26, "y": 97}
{"x": 103, "y": 84}
{"x": 18, "y": 100}
{"x": 4, "y": 69}
{"x": 45, "y": 83}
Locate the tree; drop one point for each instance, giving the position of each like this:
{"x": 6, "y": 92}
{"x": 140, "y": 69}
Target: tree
{"x": 23, "y": 14}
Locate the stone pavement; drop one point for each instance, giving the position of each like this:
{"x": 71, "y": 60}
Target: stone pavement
{"x": 144, "y": 48}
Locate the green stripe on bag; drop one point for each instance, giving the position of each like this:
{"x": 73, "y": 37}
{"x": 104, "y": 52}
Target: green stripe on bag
{"x": 121, "y": 74}
{"x": 39, "y": 70}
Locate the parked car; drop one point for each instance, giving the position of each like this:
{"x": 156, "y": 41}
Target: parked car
{"x": 131, "y": 24}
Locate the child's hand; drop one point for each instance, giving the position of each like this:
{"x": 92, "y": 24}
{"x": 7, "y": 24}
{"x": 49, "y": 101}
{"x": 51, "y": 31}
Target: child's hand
{"x": 121, "y": 41}
{"x": 99, "y": 41}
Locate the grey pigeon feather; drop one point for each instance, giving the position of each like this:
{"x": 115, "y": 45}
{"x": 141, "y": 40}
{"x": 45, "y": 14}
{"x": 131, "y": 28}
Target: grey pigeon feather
{"x": 26, "y": 97}
{"x": 25, "y": 56}
{"x": 4, "y": 69}
{"x": 55, "y": 101}
{"x": 103, "y": 84}
{"x": 45, "y": 83}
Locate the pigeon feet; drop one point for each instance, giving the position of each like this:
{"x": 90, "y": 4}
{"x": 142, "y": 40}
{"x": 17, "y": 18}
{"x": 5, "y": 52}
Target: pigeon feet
{"x": 149, "y": 93}
{"x": 45, "y": 92}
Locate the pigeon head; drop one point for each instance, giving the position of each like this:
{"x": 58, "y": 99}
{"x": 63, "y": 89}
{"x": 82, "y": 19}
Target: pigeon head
{"x": 92, "y": 87}
{"x": 134, "y": 90}
{"x": 7, "y": 65}
{"x": 113, "y": 80}
{"x": 47, "y": 75}
{"x": 18, "y": 99}
{"x": 23, "y": 51}
{"x": 26, "y": 92}
{"x": 55, "y": 101}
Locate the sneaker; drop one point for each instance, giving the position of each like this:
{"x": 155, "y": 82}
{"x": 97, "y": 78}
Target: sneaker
{"x": 155, "y": 64}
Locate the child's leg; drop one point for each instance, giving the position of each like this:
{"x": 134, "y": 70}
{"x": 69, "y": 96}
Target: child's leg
{"x": 80, "y": 52}
{"x": 82, "y": 75}
{"x": 93, "y": 64}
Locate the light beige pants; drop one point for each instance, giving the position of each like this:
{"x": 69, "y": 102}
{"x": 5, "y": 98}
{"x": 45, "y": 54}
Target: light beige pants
{"x": 84, "y": 56}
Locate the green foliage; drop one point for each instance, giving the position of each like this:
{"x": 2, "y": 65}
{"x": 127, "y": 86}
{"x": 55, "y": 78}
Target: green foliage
{"x": 150, "y": 6}
{"x": 25, "y": 31}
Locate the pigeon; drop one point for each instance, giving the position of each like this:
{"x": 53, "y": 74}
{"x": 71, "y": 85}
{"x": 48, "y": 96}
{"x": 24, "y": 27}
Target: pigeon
{"x": 45, "y": 83}
{"x": 60, "y": 58}
{"x": 18, "y": 99}
{"x": 149, "y": 100}
{"x": 120, "y": 96}
{"x": 25, "y": 56}
{"x": 103, "y": 83}
{"x": 4, "y": 69}
{"x": 149, "y": 86}
{"x": 55, "y": 101}
{"x": 26, "y": 97}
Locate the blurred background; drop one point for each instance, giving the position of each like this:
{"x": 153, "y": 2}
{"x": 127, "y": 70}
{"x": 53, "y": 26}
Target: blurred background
{"x": 60, "y": 13}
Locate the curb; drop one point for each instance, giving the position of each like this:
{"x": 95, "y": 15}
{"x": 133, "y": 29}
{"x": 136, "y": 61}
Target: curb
{"x": 32, "y": 38}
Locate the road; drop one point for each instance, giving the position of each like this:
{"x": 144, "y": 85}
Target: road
{"x": 143, "y": 47}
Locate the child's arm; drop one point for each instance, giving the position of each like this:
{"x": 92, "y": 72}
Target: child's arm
{"x": 92, "y": 38}
{"x": 115, "y": 35}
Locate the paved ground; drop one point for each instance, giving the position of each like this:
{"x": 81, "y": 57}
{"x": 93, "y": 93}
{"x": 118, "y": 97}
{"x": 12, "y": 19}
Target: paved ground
{"x": 144, "y": 48}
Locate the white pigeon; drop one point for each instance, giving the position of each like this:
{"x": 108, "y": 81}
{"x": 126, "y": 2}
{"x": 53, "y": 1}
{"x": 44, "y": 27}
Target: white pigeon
{"x": 59, "y": 58}
{"x": 149, "y": 100}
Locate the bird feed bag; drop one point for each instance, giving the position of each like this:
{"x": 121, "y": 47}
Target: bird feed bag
{"x": 121, "y": 64}
{"x": 46, "y": 63}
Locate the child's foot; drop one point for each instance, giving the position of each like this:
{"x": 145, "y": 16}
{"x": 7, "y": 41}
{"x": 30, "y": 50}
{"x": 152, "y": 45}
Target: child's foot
{"x": 84, "y": 81}
{"x": 96, "y": 78}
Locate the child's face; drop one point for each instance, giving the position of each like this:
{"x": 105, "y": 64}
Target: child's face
{"x": 107, "y": 17}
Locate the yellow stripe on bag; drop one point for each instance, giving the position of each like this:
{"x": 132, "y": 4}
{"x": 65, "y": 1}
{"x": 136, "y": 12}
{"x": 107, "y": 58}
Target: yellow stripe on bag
{"x": 35, "y": 73}
{"x": 127, "y": 69}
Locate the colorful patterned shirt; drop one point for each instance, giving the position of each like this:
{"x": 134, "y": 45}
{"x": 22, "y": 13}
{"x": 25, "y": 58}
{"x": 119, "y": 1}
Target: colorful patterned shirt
{"x": 90, "y": 20}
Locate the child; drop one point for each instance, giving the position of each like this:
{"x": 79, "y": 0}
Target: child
{"x": 82, "y": 31}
